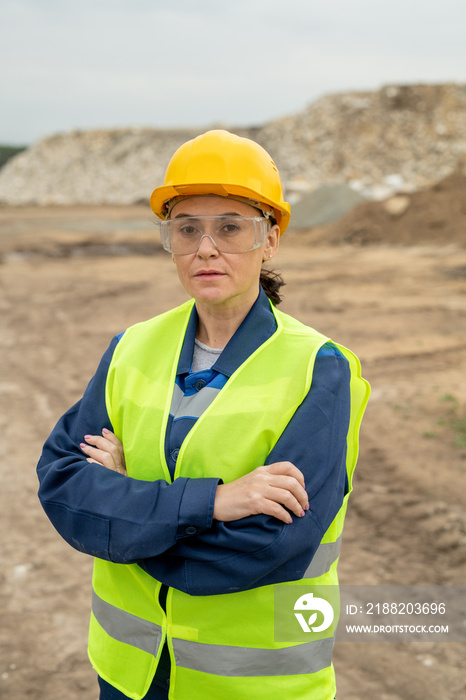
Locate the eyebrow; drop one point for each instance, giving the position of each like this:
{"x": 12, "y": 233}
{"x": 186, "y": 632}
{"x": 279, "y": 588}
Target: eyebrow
{"x": 198, "y": 216}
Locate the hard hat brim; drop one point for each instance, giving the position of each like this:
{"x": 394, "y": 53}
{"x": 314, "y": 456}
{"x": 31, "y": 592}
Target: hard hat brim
{"x": 165, "y": 193}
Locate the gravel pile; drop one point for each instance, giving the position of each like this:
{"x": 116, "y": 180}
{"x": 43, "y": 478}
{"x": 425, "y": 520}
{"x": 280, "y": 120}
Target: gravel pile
{"x": 324, "y": 205}
{"x": 400, "y": 138}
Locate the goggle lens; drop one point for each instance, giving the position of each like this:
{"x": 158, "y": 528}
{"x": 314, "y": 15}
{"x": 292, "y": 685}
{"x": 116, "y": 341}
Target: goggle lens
{"x": 230, "y": 234}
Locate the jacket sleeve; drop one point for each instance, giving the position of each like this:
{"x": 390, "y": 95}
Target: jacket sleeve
{"x": 261, "y": 550}
{"x": 106, "y": 514}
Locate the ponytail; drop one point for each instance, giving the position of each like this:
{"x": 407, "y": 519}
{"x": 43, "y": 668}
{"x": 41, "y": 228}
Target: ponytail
{"x": 271, "y": 282}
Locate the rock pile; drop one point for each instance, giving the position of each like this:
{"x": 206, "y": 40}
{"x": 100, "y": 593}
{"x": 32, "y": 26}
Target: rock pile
{"x": 400, "y": 138}
{"x": 117, "y": 166}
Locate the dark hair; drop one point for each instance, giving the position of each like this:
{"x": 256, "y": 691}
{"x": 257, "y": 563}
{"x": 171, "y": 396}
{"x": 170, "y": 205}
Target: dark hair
{"x": 271, "y": 283}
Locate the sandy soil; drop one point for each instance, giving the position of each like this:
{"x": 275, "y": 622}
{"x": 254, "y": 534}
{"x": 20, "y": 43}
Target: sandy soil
{"x": 72, "y": 278}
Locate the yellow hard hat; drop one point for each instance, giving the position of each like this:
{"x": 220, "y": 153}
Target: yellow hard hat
{"x": 226, "y": 165}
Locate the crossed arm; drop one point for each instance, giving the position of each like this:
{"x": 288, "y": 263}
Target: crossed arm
{"x": 249, "y": 542}
{"x": 270, "y": 489}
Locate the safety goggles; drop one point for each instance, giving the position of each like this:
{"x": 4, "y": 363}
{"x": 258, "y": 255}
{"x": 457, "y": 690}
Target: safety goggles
{"x": 229, "y": 234}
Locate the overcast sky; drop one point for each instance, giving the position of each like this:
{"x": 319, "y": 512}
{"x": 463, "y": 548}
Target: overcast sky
{"x": 168, "y": 63}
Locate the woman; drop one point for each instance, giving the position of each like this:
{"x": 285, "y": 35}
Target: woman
{"x": 219, "y": 442}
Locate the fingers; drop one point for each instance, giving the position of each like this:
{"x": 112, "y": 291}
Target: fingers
{"x": 275, "y": 510}
{"x": 106, "y": 450}
{"x": 288, "y": 493}
{"x": 101, "y": 457}
{"x": 286, "y": 468}
{"x": 111, "y": 437}
{"x": 263, "y": 503}
{"x": 287, "y": 486}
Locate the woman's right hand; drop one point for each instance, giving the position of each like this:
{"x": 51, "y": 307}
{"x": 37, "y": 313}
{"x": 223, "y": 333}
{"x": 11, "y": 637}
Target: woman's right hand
{"x": 271, "y": 489}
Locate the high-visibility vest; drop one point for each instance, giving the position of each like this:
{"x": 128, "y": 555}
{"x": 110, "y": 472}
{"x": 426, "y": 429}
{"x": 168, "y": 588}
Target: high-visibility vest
{"x": 221, "y": 646}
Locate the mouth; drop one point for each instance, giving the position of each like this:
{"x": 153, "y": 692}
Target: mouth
{"x": 209, "y": 274}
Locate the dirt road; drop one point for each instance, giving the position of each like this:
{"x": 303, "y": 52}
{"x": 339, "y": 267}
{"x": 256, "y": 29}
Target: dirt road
{"x": 72, "y": 278}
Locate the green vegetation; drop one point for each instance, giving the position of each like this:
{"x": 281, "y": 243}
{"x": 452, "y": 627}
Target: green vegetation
{"x": 7, "y": 152}
{"x": 459, "y": 427}
{"x": 454, "y": 420}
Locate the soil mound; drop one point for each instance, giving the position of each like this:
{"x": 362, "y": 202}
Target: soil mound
{"x": 435, "y": 215}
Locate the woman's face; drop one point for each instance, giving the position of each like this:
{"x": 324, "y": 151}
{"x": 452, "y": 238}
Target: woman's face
{"x": 224, "y": 280}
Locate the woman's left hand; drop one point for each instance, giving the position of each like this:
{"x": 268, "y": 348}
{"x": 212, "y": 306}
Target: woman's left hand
{"x": 105, "y": 449}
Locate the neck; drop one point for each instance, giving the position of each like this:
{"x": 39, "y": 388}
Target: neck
{"x": 217, "y": 325}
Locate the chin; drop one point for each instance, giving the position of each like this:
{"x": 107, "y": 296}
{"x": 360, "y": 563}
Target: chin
{"x": 211, "y": 298}
{"x": 206, "y": 293}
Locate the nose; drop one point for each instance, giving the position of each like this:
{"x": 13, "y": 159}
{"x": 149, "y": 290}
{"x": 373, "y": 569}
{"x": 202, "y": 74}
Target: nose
{"x": 207, "y": 247}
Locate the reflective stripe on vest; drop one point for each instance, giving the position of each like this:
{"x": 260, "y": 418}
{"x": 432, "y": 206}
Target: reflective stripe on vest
{"x": 326, "y": 554}
{"x": 213, "y": 658}
{"x": 125, "y": 627}
{"x": 246, "y": 661}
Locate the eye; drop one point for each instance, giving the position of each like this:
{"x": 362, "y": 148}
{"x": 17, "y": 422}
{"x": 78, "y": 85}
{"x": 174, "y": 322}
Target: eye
{"x": 230, "y": 228}
{"x": 187, "y": 230}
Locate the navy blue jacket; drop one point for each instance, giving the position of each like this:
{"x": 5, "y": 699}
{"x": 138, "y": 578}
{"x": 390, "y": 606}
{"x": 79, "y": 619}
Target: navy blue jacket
{"x": 168, "y": 528}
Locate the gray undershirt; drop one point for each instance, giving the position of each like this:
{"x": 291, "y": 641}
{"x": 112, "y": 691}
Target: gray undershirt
{"x": 204, "y": 356}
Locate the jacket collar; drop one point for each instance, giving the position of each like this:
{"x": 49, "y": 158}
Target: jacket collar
{"x": 256, "y": 328}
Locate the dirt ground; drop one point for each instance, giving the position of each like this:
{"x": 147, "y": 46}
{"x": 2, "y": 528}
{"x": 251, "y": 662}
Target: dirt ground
{"x": 72, "y": 278}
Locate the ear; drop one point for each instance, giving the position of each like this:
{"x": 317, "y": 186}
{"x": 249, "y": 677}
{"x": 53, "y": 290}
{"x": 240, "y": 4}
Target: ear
{"x": 271, "y": 243}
